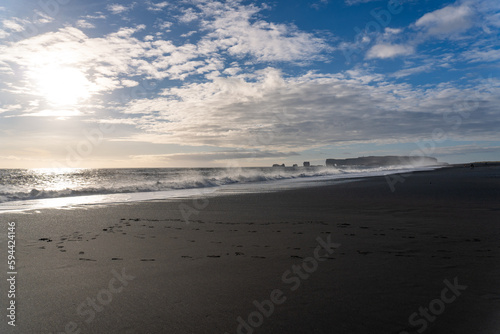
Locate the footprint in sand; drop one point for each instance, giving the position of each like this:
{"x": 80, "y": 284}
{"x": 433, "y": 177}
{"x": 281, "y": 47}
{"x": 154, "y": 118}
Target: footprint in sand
{"x": 363, "y": 252}
{"x": 483, "y": 250}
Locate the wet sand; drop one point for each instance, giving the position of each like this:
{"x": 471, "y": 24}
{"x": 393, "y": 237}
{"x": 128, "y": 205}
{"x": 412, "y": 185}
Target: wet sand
{"x": 349, "y": 258}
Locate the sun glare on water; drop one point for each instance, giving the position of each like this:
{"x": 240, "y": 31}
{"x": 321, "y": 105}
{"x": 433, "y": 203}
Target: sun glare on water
{"x": 62, "y": 85}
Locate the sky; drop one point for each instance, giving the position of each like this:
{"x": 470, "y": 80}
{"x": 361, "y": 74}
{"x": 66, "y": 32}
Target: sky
{"x": 205, "y": 83}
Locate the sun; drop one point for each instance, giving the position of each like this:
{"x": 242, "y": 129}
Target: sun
{"x": 62, "y": 85}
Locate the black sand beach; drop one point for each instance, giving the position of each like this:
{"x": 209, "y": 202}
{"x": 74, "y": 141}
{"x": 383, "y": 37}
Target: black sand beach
{"x": 349, "y": 258}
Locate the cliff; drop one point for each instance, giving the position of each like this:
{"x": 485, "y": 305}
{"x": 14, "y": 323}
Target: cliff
{"x": 376, "y": 161}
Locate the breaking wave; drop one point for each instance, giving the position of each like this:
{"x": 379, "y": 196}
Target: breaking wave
{"x": 20, "y": 185}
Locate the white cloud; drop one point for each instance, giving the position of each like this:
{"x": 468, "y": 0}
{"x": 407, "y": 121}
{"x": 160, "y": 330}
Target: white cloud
{"x": 118, "y": 9}
{"x": 10, "y": 107}
{"x": 5, "y": 68}
{"x": 129, "y": 83}
{"x": 70, "y": 46}
{"x": 84, "y": 24}
{"x": 14, "y": 24}
{"x": 156, "y": 7}
{"x": 3, "y": 34}
{"x": 61, "y": 114}
{"x": 188, "y": 16}
{"x": 230, "y": 29}
{"x": 164, "y": 25}
{"x": 292, "y": 114}
{"x": 454, "y": 22}
{"x": 237, "y": 30}
{"x": 96, "y": 16}
{"x": 466, "y": 149}
{"x": 357, "y": 2}
{"x": 384, "y": 51}
{"x": 477, "y": 55}
{"x": 192, "y": 32}
{"x": 42, "y": 18}
{"x": 450, "y": 20}
{"x": 413, "y": 70}
{"x": 229, "y": 103}
{"x": 125, "y": 121}
{"x": 99, "y": 62}
{"x": 232, "y": 70}
{"x": 392, "y": 31}
{"x": 217, "y": 156}
{"x": 321, "y": 3}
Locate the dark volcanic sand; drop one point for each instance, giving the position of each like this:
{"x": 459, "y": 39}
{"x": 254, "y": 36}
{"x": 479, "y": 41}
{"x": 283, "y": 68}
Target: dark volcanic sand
{"x": 397, "y": 248}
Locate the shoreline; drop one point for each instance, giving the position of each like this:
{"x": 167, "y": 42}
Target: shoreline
{"x": 396, "y": 251}
{"x": 110, "y": 199}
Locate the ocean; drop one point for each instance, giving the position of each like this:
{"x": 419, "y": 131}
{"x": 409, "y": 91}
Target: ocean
{"x": 29, "y": 189}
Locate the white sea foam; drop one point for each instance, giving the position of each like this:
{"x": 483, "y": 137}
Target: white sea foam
{"x": 31, "y": 189}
